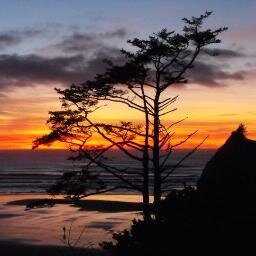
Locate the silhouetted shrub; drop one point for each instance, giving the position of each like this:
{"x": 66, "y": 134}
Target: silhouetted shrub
{"x": 191, "y": 224}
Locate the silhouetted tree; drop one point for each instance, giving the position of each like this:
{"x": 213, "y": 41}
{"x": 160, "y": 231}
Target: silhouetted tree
{"x": 140, "y": 83}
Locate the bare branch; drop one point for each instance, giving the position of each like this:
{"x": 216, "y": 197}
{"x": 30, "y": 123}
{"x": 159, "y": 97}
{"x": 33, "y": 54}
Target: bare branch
{"x": 115, "y": 143}
{"x": 181, "y": 161}
{"x": 167, "y": 102}
{"x": 103, "y": 191}
{"x": 183, "y": 141}
{"x": 179, "y": 121}
{"x": 167, "y": 112}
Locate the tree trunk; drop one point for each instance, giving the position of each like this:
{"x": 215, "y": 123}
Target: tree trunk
{"x": 146, "y": 206}
{"x": 157, "y": 175}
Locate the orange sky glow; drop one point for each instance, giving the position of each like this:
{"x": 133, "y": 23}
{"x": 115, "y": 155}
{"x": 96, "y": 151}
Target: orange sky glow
{"x": 213, "y": 112}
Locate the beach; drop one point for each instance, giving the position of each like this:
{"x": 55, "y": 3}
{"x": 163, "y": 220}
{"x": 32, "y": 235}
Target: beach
{"x": 41, "y": 229}
{"x": 25, "y": 179}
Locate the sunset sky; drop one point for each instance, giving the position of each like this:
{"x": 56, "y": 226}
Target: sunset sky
{"x": 46, "y": 44}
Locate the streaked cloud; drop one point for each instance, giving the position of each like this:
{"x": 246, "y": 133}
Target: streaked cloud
{"x": 80, "y": 56}
{"x": 14, "y": 37}
{"x": 212, "y": 75}
{"x": 29, "y": 70}
{"x": 226, "y": 114}
{"x": 221, "y": 53}
{"x": 86, "y": 41}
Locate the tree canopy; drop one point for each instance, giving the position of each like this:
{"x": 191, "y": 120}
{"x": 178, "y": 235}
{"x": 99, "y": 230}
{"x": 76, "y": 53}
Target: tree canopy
{"x": 140, "y": 83}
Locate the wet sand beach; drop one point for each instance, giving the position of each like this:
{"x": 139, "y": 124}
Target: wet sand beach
{"x": 41, "y": 229}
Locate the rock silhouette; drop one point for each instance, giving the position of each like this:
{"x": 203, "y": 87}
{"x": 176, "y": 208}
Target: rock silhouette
{"x": 232, "y": 170}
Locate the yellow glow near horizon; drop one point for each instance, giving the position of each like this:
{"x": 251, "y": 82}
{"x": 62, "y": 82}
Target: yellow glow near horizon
{"x": 213, "y": 111}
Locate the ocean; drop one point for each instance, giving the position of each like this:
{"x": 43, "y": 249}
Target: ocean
{"x": 28, "y": 171}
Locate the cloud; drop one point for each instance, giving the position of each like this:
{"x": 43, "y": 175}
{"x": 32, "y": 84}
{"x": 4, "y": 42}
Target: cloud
{"x": 79, "y": 56}
{"x": 215, "y": 66}
{"x": 212, "y": 75}
{"x": 226, "y": 114}
{"x": 223, "y": 53}
{"x": 29, "y": 70}
{"x": 4, "y": 113}
{"x": 216, "y": 71}
{"x": 2, "y": 96}
{"x": 7, "y": 40}
{"x": 14, "y": 37}
{"x": 88, "y": 41}
{"x": 33, "y": 67}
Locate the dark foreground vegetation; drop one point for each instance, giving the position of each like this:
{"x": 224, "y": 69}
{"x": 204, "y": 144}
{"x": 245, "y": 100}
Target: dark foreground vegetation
{"x": 217, "y": 218}
{"x": 192, "y": 224}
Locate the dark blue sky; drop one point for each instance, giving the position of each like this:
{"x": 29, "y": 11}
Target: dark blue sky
{"x": 145, "y": 12}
